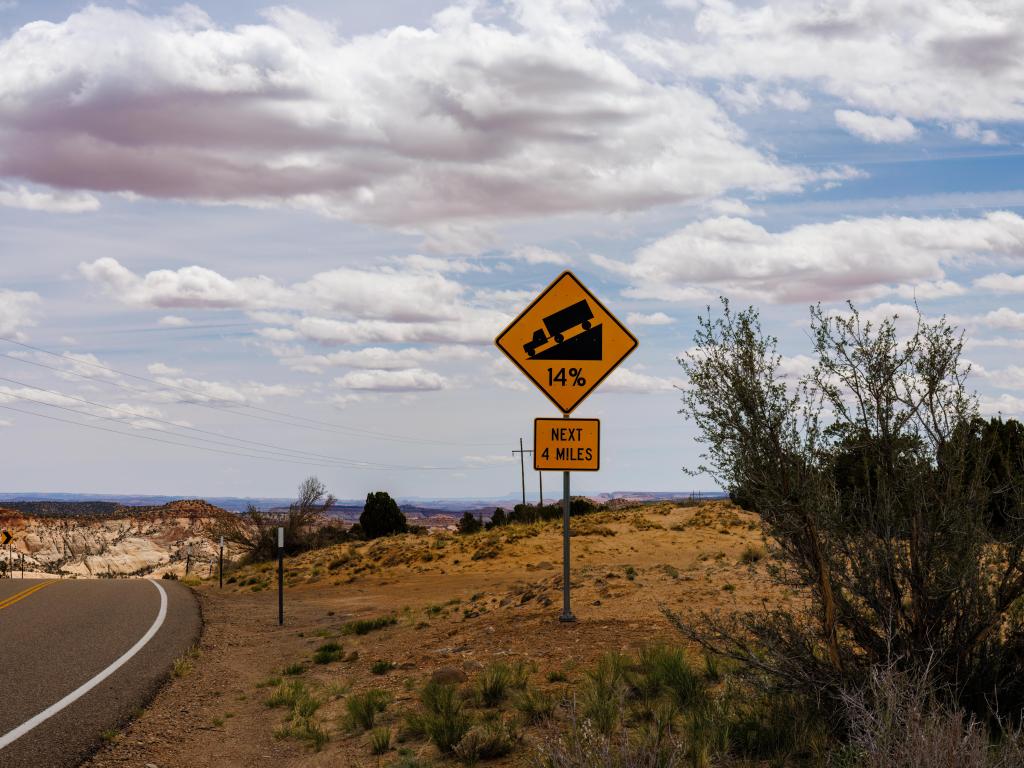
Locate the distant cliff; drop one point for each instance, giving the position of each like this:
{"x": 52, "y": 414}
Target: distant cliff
{"x": 98, "y": 539}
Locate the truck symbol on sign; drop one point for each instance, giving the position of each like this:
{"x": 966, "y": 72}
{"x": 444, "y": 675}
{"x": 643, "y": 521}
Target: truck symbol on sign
{"x": 558, "y": 323}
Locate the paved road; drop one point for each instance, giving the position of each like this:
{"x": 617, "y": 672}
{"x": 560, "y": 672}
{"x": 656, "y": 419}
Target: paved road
{"x": 58, "y": 637}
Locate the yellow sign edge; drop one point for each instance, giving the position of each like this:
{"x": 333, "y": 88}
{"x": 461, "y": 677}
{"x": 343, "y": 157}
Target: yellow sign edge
{"x": 541, "y": 295}
{"x": 554, "y": 418}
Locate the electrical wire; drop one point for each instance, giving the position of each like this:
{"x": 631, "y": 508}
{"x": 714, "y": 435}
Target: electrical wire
{"x": 311, "y": 424}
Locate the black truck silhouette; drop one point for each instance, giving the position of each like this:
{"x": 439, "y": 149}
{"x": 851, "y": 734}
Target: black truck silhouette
{"x": 558, "y": 323}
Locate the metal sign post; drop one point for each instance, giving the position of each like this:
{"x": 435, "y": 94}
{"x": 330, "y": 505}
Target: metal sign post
{"x": 280, "y": 577}
{"x": 220, "y": 567}
{"x": 566, "y": 608}
{"x": 566, "y": 342}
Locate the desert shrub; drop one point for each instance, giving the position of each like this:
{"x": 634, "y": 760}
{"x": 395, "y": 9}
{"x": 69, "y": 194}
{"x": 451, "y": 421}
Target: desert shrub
{"x": 381, "y": 516}
{"x": 751, "y": 555}
{"x": 897, "y": 721}
{"x": 469, "y": 523}
{"x": 663, "y": 670}
{"x": 604, "y": 692}
{"x": 534, "y": 705}
{"x": 303, "y": 706}
{"x": 486, "y": 742}
{"x": 493, "y": 683}
{"x": 444, "y": 720}
{"x": 287, "y": 694}
{"x": 872, "y": 482}
{"x": 363, "y": 708}
{"x": 327, "y": 653}
{"x": 582, "y": 745}
{"x": 255, "y": 532}
{"x": 381, "y": 667}
{"x": 498, "y": 519}
{"x": 366, "y": 626}
{"x": 380, "y": 740}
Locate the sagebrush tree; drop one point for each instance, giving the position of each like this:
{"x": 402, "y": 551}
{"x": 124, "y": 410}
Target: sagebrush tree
{"x": 256, "y": 531}
{"x": 381, "y": 516}
{"x": 873, "y": 484}
{"x": 469, "y": 523}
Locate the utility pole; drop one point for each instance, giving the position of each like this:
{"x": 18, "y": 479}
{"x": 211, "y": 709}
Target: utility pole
{"x": 522, "y": 466}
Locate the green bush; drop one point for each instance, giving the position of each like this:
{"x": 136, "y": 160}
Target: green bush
{"x": 381, "y": 516}
{"x": 604, "y": 692}
{"x": 493, "y": 683}
{"x": 327, "y": 653}
{"x": 363, "y": 708}
{"x": 444, "y": 720}
{"x": 380, "y": 740}
{"x": 486, "y": 742}
{"x": 469, "y": 523}
{"x": 365, "y": 626}
{"x": 534, "y": 705}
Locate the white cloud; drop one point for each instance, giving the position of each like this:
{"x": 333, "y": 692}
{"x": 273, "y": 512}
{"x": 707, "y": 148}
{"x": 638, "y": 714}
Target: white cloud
{"x": 875, "y": 128}
{"x": 492, "y": 112}
{"x": 856, "y": 258}
{"x": 486, "y": 461}
{"x": 1010, "y": 377}
{"x": 410, "y": 380}
{"x": 1001, "y": 283}
{"x": 380, "y": 358}
{"x": 917, "y": 59}
{"x": 971, "y": 131}
{"x": 5, "y": 422}
{"x": 161, "y": 369}
{"x": 1007, "y": 405}
{"x": 1003, "y": 318}
{"x": 532, "y": 254}
{"x": 626, "y": 380}
{"x": 421, "y": 263}
{"x": 174, "y": 321}
{"x": 656, "y": 318}
{"x": 186, "y": 389}
{"x": 18, "y": 309}
{"x": 50, "y": 202}
{"x": 192, "y": 287}
{"x": 385, "y": 293}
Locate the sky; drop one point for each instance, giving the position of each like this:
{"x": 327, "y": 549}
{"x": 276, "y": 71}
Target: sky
{"x": 241, "y": 244}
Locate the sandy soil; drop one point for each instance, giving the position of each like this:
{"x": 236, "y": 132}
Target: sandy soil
{"x": 453, "y": 612}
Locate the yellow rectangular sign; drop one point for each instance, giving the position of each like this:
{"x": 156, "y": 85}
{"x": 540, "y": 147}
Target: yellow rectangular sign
{"x": 567, "y": 444}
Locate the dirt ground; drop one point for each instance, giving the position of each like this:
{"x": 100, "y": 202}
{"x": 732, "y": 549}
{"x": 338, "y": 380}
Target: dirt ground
{"x": 453, "y": 612}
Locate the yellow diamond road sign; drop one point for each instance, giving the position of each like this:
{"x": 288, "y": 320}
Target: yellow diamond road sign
{"x": 566, "y": 342}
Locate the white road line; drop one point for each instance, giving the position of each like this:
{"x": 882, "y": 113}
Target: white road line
{"x": 83, "y": 689}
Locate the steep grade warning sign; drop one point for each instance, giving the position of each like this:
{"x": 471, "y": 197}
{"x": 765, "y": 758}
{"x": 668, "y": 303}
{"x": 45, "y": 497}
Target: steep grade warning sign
{"x": 567, "y": 444}
{"x": 566, "y": 342}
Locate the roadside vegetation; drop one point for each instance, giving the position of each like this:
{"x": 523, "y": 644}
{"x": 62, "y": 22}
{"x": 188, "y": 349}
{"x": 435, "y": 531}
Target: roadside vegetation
{"x": 873, "y": 500}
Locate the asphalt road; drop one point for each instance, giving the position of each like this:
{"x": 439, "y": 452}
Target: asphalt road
{"x": 58, "y": 637}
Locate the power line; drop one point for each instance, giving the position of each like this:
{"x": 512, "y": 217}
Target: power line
{"x": 144, "y": 437}
{"x": 311, "y": 424}
{"x": 318, "y": 459}
{"x": 304, "y": 455}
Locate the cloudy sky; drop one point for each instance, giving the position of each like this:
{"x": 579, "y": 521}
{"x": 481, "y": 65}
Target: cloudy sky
{"x": 241, "y": 244}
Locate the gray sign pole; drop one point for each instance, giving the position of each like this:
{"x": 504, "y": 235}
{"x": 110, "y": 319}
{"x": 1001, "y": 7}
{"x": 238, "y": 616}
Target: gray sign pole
{"x": 280, "y": 577}
{"x": 220, "y": 567}
{"x": 566, "y": 609}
